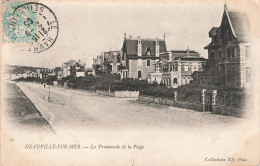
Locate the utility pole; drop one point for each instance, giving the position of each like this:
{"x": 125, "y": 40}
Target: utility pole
{"x": 49, "y": 96}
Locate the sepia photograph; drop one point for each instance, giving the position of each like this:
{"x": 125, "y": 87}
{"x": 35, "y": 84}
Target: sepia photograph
{"x": 129, "y": 83}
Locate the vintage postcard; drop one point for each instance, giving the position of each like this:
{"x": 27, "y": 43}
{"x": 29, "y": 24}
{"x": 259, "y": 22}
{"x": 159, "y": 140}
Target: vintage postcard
{"x": 129, "y": 83}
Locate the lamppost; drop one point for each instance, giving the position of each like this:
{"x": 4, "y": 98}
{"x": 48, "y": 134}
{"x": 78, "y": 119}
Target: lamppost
{"x": 49, "y": 96}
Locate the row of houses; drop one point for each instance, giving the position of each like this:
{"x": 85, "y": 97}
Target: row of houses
{"x": 228, "y": 63}
{"x": 70, "y": 68}
{"x": 18, "y": 72}
{"x": 149, "y": 59}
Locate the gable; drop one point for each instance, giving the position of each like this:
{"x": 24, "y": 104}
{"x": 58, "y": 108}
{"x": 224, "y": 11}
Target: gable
{"x": 236, "y": 23}
{"x": 130, "y": 46}
{"x": 239, "y": 24}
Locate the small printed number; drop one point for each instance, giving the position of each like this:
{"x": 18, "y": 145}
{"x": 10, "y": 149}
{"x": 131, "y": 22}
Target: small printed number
{"x": 11, "y": 139}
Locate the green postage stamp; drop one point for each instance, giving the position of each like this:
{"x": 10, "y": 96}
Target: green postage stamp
{"x": 14, "y": 22}
{"x": 31, "y": 23}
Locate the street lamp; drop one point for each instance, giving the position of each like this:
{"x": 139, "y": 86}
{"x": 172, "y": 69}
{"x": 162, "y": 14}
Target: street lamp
{"x": 49, "y": 96}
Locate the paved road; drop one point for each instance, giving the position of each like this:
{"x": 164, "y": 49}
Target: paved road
{"x": 85, "y": 118}
{"x": 74, "y": 109}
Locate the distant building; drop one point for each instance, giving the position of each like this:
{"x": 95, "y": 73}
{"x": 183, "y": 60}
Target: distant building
{"x": 107, "y": 62}
{"x": 58, "y": 72}
{"x": 114, "y": 61}
{"x": 66, "y": 67}
{"x": 45, "y": 73}
{"x": 97, "y": 65}
{"x": 89, "y": 71}
{"x": 229, "y": 53}
{"x": 175, "y": 68}
{"x": 178, "y": 53}
{"x": 73, "y": 68}
{"x": 139, "y": 55}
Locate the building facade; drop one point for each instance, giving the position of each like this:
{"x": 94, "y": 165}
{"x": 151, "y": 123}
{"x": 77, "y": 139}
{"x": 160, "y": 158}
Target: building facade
{"x": 139, "y": 55}
{"x": 229, "y": 52}
{"x": 73, "y": 68}
{"x": 108, "y": 62}
{"x": 175, "y": 68}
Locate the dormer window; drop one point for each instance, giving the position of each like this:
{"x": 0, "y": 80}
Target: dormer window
{"x": 148, "y": 51}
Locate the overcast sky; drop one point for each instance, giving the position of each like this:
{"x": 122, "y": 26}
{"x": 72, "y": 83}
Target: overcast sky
{"x": 87, "y": 29}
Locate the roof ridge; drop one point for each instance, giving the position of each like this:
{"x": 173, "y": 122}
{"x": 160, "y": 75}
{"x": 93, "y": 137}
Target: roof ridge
{"x": 151, "y": 39}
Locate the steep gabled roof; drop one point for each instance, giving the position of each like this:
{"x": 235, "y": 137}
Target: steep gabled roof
{"x": 239, "y": 24}
{"x": 130, "y": 45}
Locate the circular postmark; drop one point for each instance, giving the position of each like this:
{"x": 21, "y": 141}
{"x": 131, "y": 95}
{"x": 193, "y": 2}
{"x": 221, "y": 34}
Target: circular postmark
{"x": 35, "y": 24}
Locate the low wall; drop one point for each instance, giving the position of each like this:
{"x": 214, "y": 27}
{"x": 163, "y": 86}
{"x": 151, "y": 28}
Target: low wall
{"x": 163, "y": 101}
{"x": 146, "y": 98}
{"x": 151, "y": 99}
{"x": 156, "y": 100}
{"x": 129, "y": 94}
{"x": 188, "y": 105}
{"x": 170, "y": 102}
{"x": 220, "y": 110}
{"x": 102, "y": 92}
{"x": 123, "y": 94}
{"x": 227, "y": 111}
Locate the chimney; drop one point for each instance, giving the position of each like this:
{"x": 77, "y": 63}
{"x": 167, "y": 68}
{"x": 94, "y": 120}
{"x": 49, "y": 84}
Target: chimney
{"x": 188, "y": 51}
{"x": 157, "y": 47}
{"x": 170, "y": 55}
{"x": 139, "y": 46}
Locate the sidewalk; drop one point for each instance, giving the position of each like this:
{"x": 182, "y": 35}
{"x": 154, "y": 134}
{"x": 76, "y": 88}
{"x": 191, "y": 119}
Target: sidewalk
{"x": 21, "y": 111}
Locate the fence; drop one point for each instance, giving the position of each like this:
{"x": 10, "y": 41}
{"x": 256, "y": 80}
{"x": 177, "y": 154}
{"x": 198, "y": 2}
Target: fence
{"x": 209, "y": 101}
{"x": 237, "y": 101}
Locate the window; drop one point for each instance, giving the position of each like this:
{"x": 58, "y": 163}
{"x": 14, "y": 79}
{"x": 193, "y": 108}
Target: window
{"x": 248, "y": 51}
{"x": 148, "y": 51}
{"x": 157, "y": 68}
{"x": 183, "y": 80}
{"x": 175, "y": 67}
{"x": 186, "y": 68}
{"x": 230, "y": 52}
{"x": 148, "y": 62}
{"x": 175, "y": 80}
{"x": 139, "y": 74}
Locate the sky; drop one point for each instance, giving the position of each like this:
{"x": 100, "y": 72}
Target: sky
{"x": 86, "y": 29}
